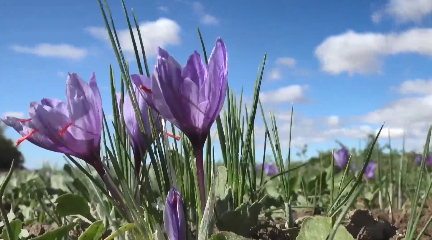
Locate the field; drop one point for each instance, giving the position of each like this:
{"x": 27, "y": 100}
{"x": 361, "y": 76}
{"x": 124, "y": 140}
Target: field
{"x": 151, "y": 172}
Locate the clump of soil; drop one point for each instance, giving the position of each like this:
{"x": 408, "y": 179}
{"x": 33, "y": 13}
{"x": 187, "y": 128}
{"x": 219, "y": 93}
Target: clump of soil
{"x": 38, "y": 229}
{"x": 266, "y": 230}
{"x": 363, "y": 226}
{"x": 400, "y": 219}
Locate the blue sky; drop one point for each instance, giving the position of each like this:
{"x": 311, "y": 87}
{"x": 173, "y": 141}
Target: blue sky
{"x": 348, "y": 66}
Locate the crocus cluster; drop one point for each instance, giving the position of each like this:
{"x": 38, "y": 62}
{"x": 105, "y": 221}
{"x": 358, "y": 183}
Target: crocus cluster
{"x": 191, "y": 98}
{"x": 341, "y": 157}
{"x": 428, "y": 162}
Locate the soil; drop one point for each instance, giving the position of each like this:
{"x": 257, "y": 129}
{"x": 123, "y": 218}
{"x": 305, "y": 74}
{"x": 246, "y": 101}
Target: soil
{"x": 362, "y": 224}
{"x": 38, "y": 229}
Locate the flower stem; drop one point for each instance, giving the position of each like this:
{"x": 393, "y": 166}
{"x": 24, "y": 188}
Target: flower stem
{"x": 200, "y": 176}
{"x": 116, "y": 195}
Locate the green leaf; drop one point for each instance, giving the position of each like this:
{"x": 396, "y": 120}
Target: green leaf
{"x": 241, "y": 219}
{"x": 57, "y": 234}
{"x": 16, "y": 226}
{"x": 94, "y": 232}
{"x": 221, "y": 180}
{"x": 81, "y": 188}
{"x": 227, "y": 236}
{"x": 71, "y": 204}
{"x": 319, "y": 228}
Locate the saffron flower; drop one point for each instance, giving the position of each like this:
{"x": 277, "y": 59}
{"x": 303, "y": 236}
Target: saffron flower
{"x": 73, "y": 127}
{"x": 174, "y": 218}
{"x": 341, "y": 157}
{"x": 370, "y": 170}
{"x": 191, "y": 98}
{"x": 270, "y": 169}
{"x": 138, "y": 140}
{"x": 418, "y": 160}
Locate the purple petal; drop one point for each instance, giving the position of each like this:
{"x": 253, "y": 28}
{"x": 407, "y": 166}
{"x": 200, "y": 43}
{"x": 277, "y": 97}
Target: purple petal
{"x": 216, "y": 84}
{"x": 370, "y": 170}
{"x": 195, "y": 71}
{"x": 51, "y": 102}
{"x": 166, "y": 100}
{"x": 174, "y": 219}
{"x": 84, "y": 109}
{"x": 341, "y": 157}
{"x": 97, "y": 107}
{"x": 141, "y": 80}
{"x": 139, "y": 144}
{"x": 26, "y": 128}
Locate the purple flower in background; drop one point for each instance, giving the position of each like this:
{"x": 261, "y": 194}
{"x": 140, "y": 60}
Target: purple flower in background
{"x": 341, "y": 157}
{"x": 191, "y": 98}
{"x": 138, "y": 140}
{"x": 73, "y": 127}
{"x": 174, "y": 218}
{"x": 270, "y": 169}
{"x": 370, "y": 170}
{"x": 418, "y": 160}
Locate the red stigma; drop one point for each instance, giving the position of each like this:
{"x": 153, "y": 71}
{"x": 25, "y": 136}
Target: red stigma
{"x": 22, "y": 139}
{"x": 25, "y": 120}
{"x": 171, "y": 135}
{"x": 147, "y": 90}
{"x": 175, "y": 199}
{"x": 64, "y": 129}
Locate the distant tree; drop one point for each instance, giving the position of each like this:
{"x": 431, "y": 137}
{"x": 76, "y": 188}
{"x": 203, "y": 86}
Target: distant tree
{"x": 9, "y": 152}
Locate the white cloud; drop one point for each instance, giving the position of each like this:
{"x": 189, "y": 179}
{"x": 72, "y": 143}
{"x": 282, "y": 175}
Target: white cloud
{"x": 364, "y": 52}
{"x": 293, "y": 93}
{"x": 160, "y": 33}
{"x": 417, "y": 86}
{"x": 394, "y": 132}
{"x": 163, "y": 9}
{"x": 309, "y": 131}
{"x": 100, "y": 33}
{"x": 409, "y": 114}
{"x": 333, "y": 121}
{"x": 407, "y": 10}
{"x": 209, "y": 20}
{"x": 205, "y": 18}
{"x": 274, "y": 74}
{"x": 286, "y": 61}
{"x": 13, "y": 114}
{"x": 376, "y": 17}
{"x": 109, "y": 117}
{"x": 64, "y": 51}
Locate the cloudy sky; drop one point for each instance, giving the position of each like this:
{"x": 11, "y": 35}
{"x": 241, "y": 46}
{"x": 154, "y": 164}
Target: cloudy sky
{"x": 348, "y": 66}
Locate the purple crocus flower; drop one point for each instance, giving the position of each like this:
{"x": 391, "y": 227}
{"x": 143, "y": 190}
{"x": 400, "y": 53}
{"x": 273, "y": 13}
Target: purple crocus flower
{"x": 270, "y": 169}
{"x": 341, "y": 157}
{"x": 73, "y": 127}
{"x": 370, "y": 170}
{"x": 418, "y": 160}
{"x": 138, "y": 140}
{"x": 191, "y": 98}
{"x": 174, "y": 219}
